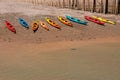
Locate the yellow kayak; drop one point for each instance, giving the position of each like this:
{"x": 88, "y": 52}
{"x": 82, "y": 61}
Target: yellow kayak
{"x": 44, "y": 25}
{"x": 64, "y": 21}
{"x": 103, "y": 20}
{"x": 35, "y": 26}
{"x": 52, "y": 23}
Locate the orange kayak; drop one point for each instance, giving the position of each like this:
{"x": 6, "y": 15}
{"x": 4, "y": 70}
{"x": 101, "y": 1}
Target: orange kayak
{"x": 35, "y": 26}
{"x": 64, "y": 21}
{"x": 52, "y": 23}
{"x": 44, "y": 25}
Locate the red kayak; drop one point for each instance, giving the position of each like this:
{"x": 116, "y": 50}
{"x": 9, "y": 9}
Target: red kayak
{"x": 94, "y": 20}
{"x": 10, "y": 27}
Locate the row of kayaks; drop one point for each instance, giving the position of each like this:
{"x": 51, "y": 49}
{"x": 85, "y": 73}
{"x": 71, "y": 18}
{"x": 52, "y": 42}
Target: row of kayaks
{"x": 66, "y": 21}
{"x": 99, "y": 20}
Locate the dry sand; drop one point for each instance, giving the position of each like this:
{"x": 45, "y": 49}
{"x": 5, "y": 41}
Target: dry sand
{"x": 79, "y": 53}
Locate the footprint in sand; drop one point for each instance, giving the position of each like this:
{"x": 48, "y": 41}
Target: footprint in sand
{"x": 73, "y": 49}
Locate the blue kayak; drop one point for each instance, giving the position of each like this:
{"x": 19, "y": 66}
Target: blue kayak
{"x": 23, "y": 23}
{"x": 76, "y": 20}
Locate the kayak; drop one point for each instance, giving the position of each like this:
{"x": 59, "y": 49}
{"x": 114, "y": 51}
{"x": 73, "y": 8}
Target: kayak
{"x": 94, "y": 20}
{"x": 23, "y": 23}
{"x": 10, "y": 27}
{"x": 76, "y": 20}
{"x": 52, "y": 23}
{"x": 44, "y": 25}
{"x": 35, "y": 26}
{"x": 103, "y": 20}
{"x": 64, "y": 21}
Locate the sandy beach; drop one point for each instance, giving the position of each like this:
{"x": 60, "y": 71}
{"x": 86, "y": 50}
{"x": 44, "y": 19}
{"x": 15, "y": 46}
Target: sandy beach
{"x": 89, "y": 52}
{"x": 70, "y": 60}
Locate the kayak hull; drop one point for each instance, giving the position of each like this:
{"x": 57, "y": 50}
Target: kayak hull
{"x": 76, "y": 20}
{"x": 64, "y": 21}
{"x": 103, "y": 20}
{"x": 35, "y": 26}
{"x": 10, "y": 27}
{"x": 94, "y": 20}
{"x": 43, "y": 25}
{"x": 23, "y": 23}
{"x": 52, "y": 23}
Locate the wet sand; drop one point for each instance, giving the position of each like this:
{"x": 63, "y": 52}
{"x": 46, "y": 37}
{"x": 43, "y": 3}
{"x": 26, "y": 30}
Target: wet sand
{"x": 92, "y": 60}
